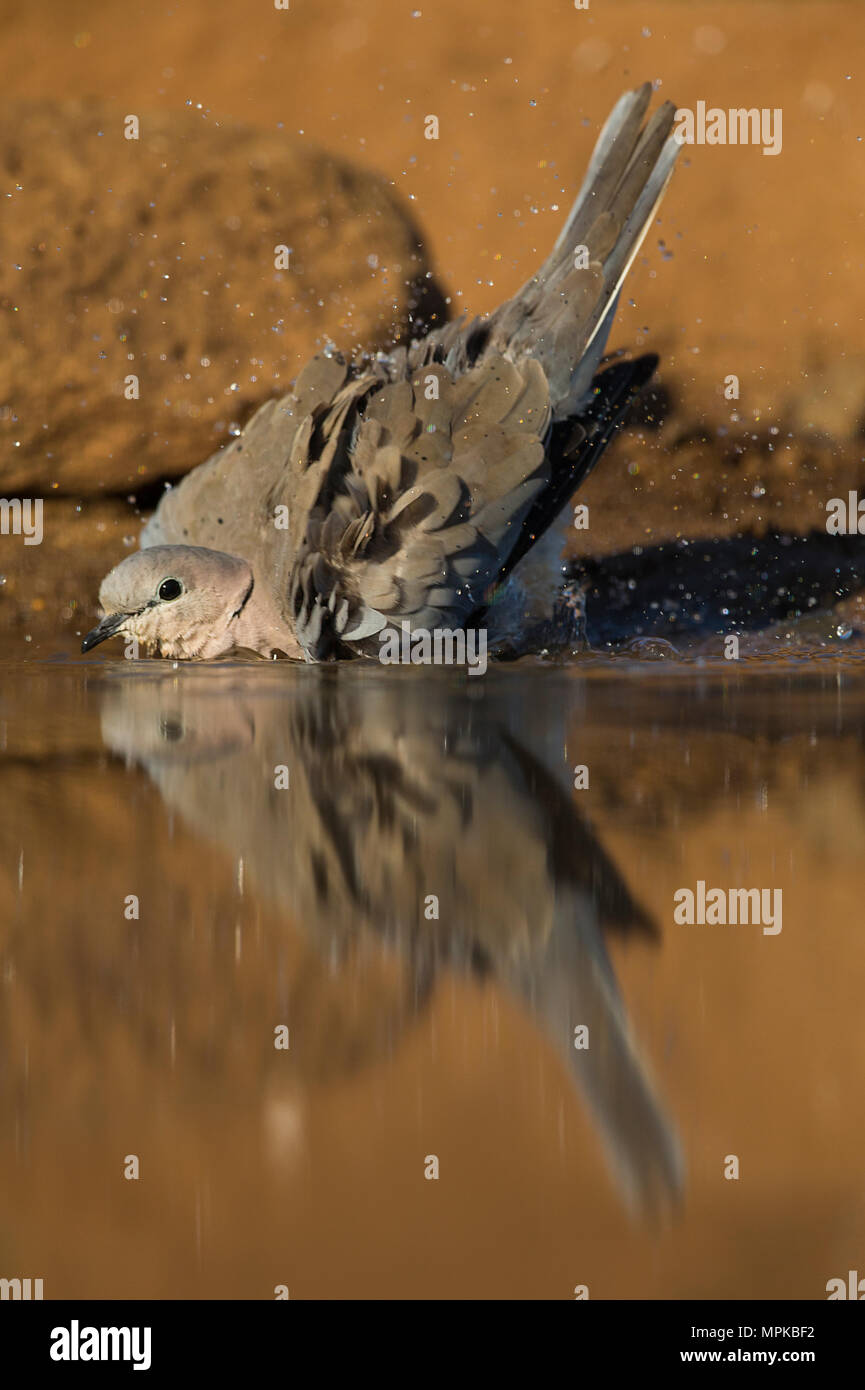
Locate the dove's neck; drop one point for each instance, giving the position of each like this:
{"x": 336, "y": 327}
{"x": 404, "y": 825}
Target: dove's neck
{"x": 260, "y": 627}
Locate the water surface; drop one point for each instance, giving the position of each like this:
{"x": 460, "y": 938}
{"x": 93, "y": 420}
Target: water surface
{"x": 396, "y": 868}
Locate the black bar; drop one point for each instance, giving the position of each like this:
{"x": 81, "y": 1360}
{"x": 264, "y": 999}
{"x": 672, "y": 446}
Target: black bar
{"x": 237, "y": 1337}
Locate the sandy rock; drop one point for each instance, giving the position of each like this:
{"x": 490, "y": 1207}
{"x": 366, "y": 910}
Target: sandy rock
{"x": 155, "y": 258}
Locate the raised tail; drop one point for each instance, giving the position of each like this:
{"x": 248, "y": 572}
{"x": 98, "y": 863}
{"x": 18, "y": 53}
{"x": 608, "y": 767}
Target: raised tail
{"x": 562, "y": 315}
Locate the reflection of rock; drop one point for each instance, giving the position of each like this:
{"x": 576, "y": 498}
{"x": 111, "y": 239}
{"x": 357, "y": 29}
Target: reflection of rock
{"x": 156, "y": 257}
{"x": 425, "y": 818}
{"x": 758, "y": 743}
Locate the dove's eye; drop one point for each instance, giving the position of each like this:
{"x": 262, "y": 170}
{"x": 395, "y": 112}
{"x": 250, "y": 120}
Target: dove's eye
{"x": 169, "y": 589}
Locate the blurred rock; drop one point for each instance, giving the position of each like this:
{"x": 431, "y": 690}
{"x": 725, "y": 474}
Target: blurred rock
{"x": 830, "y": 399}
{"x": 49, "y": 592}
{"x": 156, "y": 257}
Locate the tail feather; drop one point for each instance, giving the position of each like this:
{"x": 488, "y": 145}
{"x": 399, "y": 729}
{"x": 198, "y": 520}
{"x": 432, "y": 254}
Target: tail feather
{"x": 609, "y": 161}
{"x": 562, "y": 315}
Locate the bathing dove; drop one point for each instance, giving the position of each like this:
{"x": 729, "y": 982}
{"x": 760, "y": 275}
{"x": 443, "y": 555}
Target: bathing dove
{"x": 410, "y": 487}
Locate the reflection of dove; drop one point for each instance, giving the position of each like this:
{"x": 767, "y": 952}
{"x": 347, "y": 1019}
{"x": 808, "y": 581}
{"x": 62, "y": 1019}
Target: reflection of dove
{"x": 356, "y": 808}
{"x": 411, "y": 487}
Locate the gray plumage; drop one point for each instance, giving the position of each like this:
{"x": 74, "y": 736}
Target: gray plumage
{"x": 408, "y": 487}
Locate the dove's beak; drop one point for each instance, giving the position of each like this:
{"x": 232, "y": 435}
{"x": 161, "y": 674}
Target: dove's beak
{"x": 110, "y": 624}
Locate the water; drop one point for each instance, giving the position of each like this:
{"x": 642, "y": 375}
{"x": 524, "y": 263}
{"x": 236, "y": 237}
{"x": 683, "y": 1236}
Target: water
{"x": 393, "y": 873}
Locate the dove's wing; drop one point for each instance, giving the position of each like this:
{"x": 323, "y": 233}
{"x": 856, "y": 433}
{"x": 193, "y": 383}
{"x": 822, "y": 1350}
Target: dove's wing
{"x": 410, "y": 496}
{"x": 231, "y": 502}
{"x": 423, "y": 503}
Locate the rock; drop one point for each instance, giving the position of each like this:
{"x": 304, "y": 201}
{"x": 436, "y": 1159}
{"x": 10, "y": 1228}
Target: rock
{"x": 155, "y": 258}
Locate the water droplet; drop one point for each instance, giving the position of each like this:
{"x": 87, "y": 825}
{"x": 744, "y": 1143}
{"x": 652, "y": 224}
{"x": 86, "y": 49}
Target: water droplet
{"x": 844, "y": 631}
{"x": 651, "y": 648}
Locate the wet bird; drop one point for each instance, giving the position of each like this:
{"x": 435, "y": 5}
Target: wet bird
{"x": 413, "y": 487}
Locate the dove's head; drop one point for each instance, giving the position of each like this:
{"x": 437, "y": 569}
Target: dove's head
{"x": 177, "y": 601}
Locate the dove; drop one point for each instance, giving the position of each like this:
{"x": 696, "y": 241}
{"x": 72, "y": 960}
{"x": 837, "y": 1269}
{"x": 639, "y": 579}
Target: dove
{"x": 418, "y": 489}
